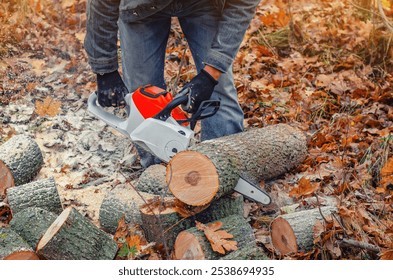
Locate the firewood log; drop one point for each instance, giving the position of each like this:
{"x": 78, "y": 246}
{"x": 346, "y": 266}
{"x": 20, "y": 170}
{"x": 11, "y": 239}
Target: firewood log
{"x": 192, "y": 244}
{"x": 13, "y": 247}
{"x": 152, "y": 181}
{"x": 212, "y": 168}
{"x": 73, "y": 237}
{"x": 162, "y": 223}
{"x": 20, "y": 160}
{"x": 42, "y": 193}
{"x": 31, "y": 224}
{"x": 291, "y": 233}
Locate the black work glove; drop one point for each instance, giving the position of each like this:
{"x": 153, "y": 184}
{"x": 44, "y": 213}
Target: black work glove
{"x": 111, "y": 89}
{"x": 200, "y": 88}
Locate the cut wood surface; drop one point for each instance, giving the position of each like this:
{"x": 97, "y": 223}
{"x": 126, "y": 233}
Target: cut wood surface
{"x": 20, "y": 160}
{"x": 119, "y": 202}
{"x": 12, "y": 246}
{"x": 212, "y": 168}
{"x": 192, "y": 244}
{"x": 152, "y": 181}
{"x": 162, "y": 223}
{"x": 42, "y": 193}
{"x": 31, "y": 224}
{"x": 73, "y": 237}
{"x": 293, "y": 232}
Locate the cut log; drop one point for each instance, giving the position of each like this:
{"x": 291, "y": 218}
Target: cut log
{"x": 249, "y": 252}
{"x": 42, "y": 194}
{"x": 166, "y": 223}
{"x": 119, "y": 202}
{"x": 152, "y": 181}
{"x": 31, "y": 224}
{"x": 74, "y": 237}
{"x": 212, "y": 168}
{"x": 293, "y": 232}
{"x": 20, "y": 160}
{"x": 309, "y": 203}
{"x": 192, "y": 243}
{"x": 13, "y": 247}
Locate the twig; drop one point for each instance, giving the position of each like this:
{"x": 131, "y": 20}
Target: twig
{"x": 383, "y": 16}
{"x": 358, "y": 244}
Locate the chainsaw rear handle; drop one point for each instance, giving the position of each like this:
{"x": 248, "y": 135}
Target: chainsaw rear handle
{"x": 121, "y": 125}
{"x": 207, "y": 109}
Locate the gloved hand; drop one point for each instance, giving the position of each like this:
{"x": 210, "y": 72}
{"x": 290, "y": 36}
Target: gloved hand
{"x": 111, "y": 89}
{"x": 200, "y": 88}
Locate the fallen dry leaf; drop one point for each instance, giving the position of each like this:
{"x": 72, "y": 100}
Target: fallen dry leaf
{"x": 387, "y": 175}
{"x": 304, "y": 188}
{"x": 48, "y": 107}
{"x": 218, "y": 238}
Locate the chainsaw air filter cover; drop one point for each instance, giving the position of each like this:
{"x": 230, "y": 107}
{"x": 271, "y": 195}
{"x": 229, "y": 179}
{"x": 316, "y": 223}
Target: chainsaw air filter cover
{"x": 150, "y": 100}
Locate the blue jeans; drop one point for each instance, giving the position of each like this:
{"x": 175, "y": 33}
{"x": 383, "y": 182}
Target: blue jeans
{"x": 143, "y": 45}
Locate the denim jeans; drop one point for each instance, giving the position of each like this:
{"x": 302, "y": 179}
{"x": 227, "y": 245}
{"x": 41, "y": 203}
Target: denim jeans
{"x": 143, "y": 45}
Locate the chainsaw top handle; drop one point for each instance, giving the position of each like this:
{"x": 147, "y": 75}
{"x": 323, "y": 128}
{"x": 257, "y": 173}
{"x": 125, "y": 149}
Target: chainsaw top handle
{"x": 207, "y": 109}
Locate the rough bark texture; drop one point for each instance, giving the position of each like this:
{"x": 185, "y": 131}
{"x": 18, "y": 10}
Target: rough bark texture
{"x": 42, "y": 194}
{"x": 121, "y": 201}
{"x": 74, "y": 237}
{"x": 152, "y": 181}
{"x": 11, "y": 242}
{"x": 307, "y": 203}
{"x": 193, "y": 244}
{"x": 32, "y": 223}
{"x": 166, "y": 224}
{"x": 293, "y": 232}
{"x": 256, "y": 155}
{"x": 23, "y": 157}
{"x": 249, "y": 252}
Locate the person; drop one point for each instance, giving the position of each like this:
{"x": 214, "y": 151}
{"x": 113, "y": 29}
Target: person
{"x": 214, "y": 30}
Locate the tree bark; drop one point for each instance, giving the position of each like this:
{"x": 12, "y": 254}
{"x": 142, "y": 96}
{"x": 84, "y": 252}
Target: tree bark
{"x": 42, "y": 194}
{"x": 192, "y": 243}
{"x": 73, "y": 237}
{"x": 12, "y": 246}
{"x": 20, "y": 160}
{"x": 293, "y": 232}
{"x": 152, "y": 181}
{"x": 31, "y": 224}
{"x": 212, "y": 168}
{"x": 309, "y": 202}
{"x": 121, "y": 201}
{"x": 166, "y": 223}
{"x": 250, "y": 252}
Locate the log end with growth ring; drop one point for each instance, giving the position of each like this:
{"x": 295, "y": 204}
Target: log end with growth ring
{"x": 6, "y": 179}
{"x": 283, "y": 237}
{"x": 188, "y": 247}
{"x": 192, "y": 178}
{"x": 22, "y": 255}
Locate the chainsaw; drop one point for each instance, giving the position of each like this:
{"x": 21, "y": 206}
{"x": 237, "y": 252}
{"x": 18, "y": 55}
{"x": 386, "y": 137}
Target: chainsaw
{"x": 156, "y": 123}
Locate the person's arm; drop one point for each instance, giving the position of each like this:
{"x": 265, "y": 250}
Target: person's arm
{"x": 235, "y": 19}
{"x": 101, "y": 35}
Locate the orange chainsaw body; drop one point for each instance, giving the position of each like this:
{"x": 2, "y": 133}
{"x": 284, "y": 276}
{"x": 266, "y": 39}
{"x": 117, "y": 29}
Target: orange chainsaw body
{"x": 150, "y": 100}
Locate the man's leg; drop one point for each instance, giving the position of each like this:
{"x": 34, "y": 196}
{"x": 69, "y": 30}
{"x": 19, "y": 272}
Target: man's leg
{"x": 199, "y": 24}
{"x": 143, "y": 46}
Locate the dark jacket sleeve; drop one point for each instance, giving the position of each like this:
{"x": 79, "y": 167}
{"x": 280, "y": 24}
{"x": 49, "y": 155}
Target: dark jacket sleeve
{"x": 235, "y": 19}
{"x": 101, "y": 35}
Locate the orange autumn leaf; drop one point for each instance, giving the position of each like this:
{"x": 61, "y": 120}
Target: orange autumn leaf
{"x": 48, "y": 107}
{"x": 387, "y": 255}
{"x": 134, "y": 241}
{"x": 305, "y": 187}
{"x": 387, "y": 175}
{"x": 217, "y": 238}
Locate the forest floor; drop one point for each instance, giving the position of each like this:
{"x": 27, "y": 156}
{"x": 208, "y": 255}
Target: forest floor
{"x": 322, "y": 66}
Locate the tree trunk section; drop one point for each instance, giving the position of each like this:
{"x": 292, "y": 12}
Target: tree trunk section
{"x": 192, "y": 244}
{"x": 42, "y": 194}
{"x": 293, "y": 232}
{"x": 12, "y": 246}
{"x": 250, "y": 252}
{"x": 121, "y": 201}
{"x": 31, "y": 224}
{"x": 212, "y": 168}
{"x": 166, "y": 223}
{"x": 152, "y": 181}
{"x": 20, "y": 160}
{"x": 307, "y": 203}
{"x": 74, "y": 237}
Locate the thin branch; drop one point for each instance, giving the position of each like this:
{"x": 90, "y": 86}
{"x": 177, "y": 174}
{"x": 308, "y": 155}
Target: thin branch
{"x": 358, "y": 244}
